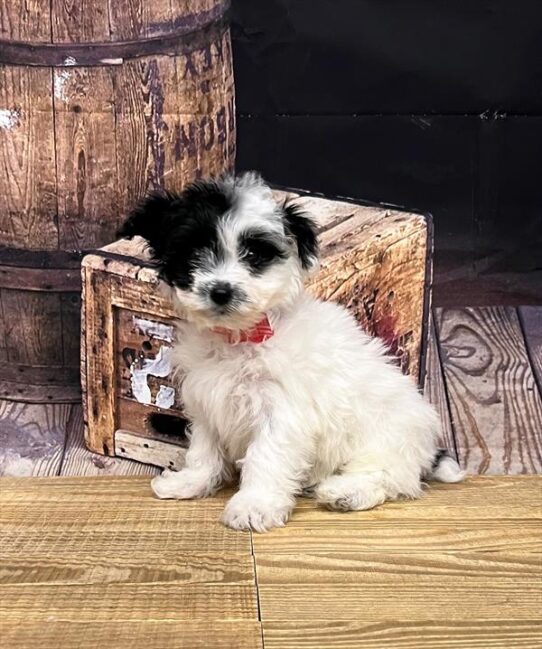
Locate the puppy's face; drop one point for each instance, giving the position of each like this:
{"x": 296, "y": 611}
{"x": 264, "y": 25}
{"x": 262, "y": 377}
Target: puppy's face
{"x": 228, "y": 251}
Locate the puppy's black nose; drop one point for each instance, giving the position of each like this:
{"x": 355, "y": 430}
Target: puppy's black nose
{"x": 221, "y": 293}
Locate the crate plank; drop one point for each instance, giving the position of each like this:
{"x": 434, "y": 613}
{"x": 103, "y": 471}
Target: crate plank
{"x": 495, "y": 404}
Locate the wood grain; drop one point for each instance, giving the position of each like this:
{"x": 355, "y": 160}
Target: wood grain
{"x": 481, "y": 514}
{"x": 110, "y": 512}
{"x": 495, "y": 404}
{"x": 531, "y": 323}
{"x": 113, "y": 567}
{"x": 97, "y": 361}
{"x": 374, "y": 263}
{"x": 149, "y": 451}
{"x": 152, "y": 634}
{"x": 22, "y": 20}
{"x": 86, "y": 157}
{"x": 35, "y": 312}
{"x": 410, "y": 587}
{"x": 479, "y": 498}
{"x": 80, "y": 22}
{"x": 32, "y": 438}
{"x": 445, "y": 554}
{"x": 105, "y": 550}
{"x": 435, "y": 391}
{"x": 27, "y": 159}
{"x": 94, "y": 554}
{"x": 318, "y": 533}
{"x": 156, "y": 601}
{"x": 80, "y": 144}
{"x": 403, "y": 634}
{"x": 79, "y": 461}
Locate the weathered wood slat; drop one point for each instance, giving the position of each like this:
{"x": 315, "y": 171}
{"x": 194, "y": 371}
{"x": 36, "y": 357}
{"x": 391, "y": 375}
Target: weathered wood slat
{"x": 417, "y": 536}
{"x": 21, "y": 24}
{"x": 353, "y": 586}
{"x": 153, "y": 565}
{"x": 156, "y": 600}
{"x": 152, "y": 634}
{"x": 86, "y": 157}
{"x": 80, "y": 22}
{"x": 150, "y": 451}
{"x": 531, "y": 322}
{"x": 495, "y": 404}
{"x": 27, "y": 159}
{"x": 32, "y": 438}
{"x": 99, "y": 340}
{"x": 403, "y": 634}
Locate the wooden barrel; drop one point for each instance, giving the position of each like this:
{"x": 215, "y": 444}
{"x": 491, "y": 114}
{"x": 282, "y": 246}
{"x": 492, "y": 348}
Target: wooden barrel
{"x": 100, "y": 101}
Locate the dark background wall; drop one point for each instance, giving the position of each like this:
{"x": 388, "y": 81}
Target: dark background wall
{"x": 431, "y": 104}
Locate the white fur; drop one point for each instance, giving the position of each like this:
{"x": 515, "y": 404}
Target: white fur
{"x": 319, "y": 405}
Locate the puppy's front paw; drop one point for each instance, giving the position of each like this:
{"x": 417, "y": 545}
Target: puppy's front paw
{"x": 251, "y": 511}
{"x": 183, "y": 485}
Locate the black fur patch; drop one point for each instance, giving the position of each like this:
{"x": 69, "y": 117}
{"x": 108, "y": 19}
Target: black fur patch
{"x": 259, "y": 250}
{"x": 440, "y": 455}
{"x": 181, "y": 228}
{"x": 303, "y": 229}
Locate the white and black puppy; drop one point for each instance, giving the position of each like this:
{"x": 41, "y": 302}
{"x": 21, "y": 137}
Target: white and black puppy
{"x": 278, "y": 385}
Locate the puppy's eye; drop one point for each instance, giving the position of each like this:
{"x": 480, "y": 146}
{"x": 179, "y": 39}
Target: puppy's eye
{"x": 252, "y": 255}
{"x": 259, "y": 252}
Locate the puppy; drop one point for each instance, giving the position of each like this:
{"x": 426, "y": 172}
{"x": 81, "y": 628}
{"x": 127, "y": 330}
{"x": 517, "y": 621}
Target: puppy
{"x": 278, "y": 385}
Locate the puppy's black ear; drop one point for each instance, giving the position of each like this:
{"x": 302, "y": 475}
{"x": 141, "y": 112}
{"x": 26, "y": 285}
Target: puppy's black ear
{"x": 303, "y": 229}
{"x": 153, "y": 220}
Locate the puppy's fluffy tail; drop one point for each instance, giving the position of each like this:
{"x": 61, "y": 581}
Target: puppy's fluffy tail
{"x": 445, "y": 468}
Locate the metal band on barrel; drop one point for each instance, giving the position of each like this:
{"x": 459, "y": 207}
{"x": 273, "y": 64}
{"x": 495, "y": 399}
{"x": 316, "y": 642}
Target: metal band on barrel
{"x": 193, "y": 33}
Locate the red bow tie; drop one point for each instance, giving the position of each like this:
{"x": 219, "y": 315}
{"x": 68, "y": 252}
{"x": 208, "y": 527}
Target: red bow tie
{"x": 257, "y": 334}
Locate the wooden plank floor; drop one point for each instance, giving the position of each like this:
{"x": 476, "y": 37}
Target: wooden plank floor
{"x": 484, "y": 376}
{"x": 98, "y": 561}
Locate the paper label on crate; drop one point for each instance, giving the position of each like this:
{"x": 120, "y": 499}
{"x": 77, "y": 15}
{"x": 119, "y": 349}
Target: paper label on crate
{"x": 165, "y": 397}
{"x": 153, "y": 329}
{"x": 140, "y": 370}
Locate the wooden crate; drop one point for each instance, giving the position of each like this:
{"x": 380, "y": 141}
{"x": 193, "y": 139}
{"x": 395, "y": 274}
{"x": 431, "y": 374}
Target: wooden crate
{"x": 376, "y": 260}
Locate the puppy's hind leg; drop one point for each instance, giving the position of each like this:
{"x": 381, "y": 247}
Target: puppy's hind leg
{"x": 352, "y": 491}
